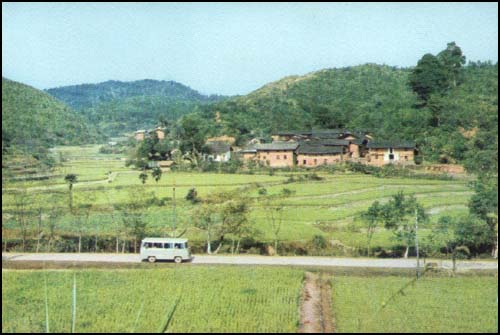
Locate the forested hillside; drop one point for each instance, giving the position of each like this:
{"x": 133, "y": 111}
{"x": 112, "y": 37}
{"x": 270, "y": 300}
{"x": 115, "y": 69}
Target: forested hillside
{"x": 32, "y": 121}
{"x": 449, "y": 123}
{"x": 117, "y": 107}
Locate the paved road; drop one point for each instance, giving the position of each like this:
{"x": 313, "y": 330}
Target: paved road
{"x": 255, "y": 260}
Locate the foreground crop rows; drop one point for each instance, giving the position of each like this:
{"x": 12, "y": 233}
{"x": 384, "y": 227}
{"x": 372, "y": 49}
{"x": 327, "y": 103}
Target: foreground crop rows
{"x": 239, "y": 299}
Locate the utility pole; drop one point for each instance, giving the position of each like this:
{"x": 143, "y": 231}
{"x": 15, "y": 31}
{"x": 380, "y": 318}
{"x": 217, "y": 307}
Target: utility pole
{"x": 416, "y": 242}
{"x": 175, "y": 218}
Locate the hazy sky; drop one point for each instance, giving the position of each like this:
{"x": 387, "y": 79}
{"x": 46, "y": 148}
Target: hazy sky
{"x": 230, "y": 48}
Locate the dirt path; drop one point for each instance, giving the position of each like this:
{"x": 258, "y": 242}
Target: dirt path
{"x": 315, "y": 305}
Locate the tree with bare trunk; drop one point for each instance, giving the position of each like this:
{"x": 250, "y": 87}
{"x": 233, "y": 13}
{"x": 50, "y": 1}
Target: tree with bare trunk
{"x": 206, "y": 218}
{"x": 71, "y": 179}
{"x": 399, "y": 215}
{"x": 22, "y": 203}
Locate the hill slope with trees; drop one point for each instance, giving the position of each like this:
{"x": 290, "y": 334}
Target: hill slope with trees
{"x": 32, "y": 121}
{"x": 449, "y": 109}
{"x": 117, "y": 107}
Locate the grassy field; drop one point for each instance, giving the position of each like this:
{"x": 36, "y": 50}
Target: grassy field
{"x": 433, "y": 304}
{"x": 327, "y": 207}
{"x": 212, "y": 299}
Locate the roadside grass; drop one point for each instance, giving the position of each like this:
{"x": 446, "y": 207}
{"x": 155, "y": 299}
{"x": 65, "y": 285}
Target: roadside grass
{"x": 432, "y": 304}
{"x": 213, "y": 299}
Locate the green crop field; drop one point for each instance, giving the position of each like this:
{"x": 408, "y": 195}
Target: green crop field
{"x": 327, "y": 207}
{"x": 211, "y": 299}
{"x": 240, "y": 299}
{"x": 430, "y": 305}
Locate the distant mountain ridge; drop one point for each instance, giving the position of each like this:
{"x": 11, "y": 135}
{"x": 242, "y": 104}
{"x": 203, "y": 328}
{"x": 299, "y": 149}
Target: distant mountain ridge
{"x": 89, "y": 95}
{"x": 117, "y": 107}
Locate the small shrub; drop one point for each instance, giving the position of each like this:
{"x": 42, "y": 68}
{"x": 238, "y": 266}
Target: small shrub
{"x": 286, "y": 192}
{"x": 318, "y": 242}
{"x": 192, "y": 196}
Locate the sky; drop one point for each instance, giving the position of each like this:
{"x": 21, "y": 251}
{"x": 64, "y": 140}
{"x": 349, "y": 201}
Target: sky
{"x": 230, "y": 48}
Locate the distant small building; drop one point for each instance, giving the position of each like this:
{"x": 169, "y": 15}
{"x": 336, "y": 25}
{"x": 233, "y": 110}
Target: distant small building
{"x": 140, "y": 135}
{"x": 257, "y": 140}
{"x": 167, "y": 164}
{"x": 391, "y": 152}
{"x": 218, "y": 151}
{"x": 160, "y": 132}
{"x": 249, "y": 153}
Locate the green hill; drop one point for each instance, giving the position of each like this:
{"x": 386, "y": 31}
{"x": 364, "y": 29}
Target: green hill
{"x": 117, "y": 107}
{"x": 370, "y": 97}
{"x": 32, "y": 121}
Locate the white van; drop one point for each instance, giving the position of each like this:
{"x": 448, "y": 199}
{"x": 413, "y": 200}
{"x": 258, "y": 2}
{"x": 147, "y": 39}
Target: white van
{"x": 175, "y": 249}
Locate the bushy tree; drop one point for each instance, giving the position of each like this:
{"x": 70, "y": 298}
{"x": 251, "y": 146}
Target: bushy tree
{"x": 399, "y": 215}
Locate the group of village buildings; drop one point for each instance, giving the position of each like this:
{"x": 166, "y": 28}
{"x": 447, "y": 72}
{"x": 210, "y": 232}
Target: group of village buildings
{"x": 307, "y": 148}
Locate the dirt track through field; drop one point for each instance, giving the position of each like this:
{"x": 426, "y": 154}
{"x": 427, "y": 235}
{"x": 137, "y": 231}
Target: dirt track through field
{"x": 315, "y": 305}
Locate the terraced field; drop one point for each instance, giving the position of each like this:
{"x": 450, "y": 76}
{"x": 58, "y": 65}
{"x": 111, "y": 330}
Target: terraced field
{"x": 327, "y": 207}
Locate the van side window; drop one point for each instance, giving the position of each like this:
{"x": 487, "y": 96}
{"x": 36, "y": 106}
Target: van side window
{"x": 167, "y": 246}
{"x": 148, "y": 245}
{"x": 157, "y": 245}
{"x": 179, "y": 246}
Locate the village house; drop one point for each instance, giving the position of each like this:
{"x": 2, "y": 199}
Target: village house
{"x": 275, "y": 154}
{"x": 218, "y": 151}
{"x": 140, "y": 135}
{"x": 249, "y": 153}
{"x": 309, "y": 155}
{"x": 391, "y": 152}
{"x": 160, "y": 132}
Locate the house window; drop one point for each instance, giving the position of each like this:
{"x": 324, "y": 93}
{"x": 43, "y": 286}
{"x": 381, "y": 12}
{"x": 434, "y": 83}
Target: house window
{"x": 391, "y": 157}
{"x": 304, "y": 162}
{"x": 315, "y": 161}
{"x": 284, "y": 156}
{"x": 406, "y": 158}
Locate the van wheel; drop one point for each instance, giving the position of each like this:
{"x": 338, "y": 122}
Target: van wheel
{"x": 178, "y": 259}
{"x": 151, "y": 259}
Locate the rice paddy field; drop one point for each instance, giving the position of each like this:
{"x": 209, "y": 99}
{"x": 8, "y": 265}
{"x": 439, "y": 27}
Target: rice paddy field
{"x": 430, "y": 305}
{"x": 327, "y": 207}
{"x": 203, "y": 299}
{"x": 239, "y": 299}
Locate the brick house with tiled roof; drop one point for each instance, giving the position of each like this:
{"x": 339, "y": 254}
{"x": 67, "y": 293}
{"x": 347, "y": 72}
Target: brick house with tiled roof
{"x": 391, "y": 152}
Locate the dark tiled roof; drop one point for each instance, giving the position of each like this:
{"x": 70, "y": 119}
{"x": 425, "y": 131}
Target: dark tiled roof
{"x": 277, "y": 146}
{"x": 292, "y": 133}
{"x": 358, "y": 141}
{"x": 391, "y": 144}
{"x": 327, "y": 142}
{"x": 218, "y": 147}
{"x": 249, "y": 149}
{"x": 305, "y": 148}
